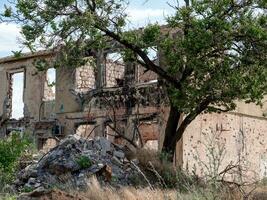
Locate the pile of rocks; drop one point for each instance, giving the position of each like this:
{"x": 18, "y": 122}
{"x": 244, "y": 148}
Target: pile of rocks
{"x": 75, "y": 160}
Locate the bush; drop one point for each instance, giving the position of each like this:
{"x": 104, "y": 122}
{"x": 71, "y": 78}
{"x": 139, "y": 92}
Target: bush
{"x": 84, "y": 162}
{"x": 11, "y": 149}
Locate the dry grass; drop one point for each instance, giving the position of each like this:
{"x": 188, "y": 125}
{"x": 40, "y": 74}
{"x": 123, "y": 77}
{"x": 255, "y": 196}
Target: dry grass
{"x": 96, "y": 192}
{"x": 146, "y": 156}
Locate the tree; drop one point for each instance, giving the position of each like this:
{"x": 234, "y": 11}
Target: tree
{"x": 214, "y": 51}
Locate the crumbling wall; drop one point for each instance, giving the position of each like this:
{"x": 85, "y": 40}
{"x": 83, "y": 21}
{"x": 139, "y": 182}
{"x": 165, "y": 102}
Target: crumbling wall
{"x": 85, "y": 78}
{"x": 145, "y": 75}
{"x": 49, "y": 85}
{"x": 241, "y": 137}
{"x": 66, "y": 102}
{"x": 86, "y": 131}
{"x": 149, "y": 132}
{"x": 33, "y": 86}
{"x": 114, "y": 71}
{"x": 3, "y": 91}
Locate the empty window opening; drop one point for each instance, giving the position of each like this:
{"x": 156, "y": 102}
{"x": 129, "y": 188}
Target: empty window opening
{"x": 17, "y": 82}
{"x": 50, "y": 85}
{"x": 152, "y": 53}
{"x": 115, "y": 68}
{"x": 115, "y": 57}
{"x": 147, "y": 76}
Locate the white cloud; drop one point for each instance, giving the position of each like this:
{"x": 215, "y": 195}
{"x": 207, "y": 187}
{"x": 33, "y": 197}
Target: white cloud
{"x": 142, "y": 14}
{"x": 147, "y": 15}
{"x": 9, "y": 34}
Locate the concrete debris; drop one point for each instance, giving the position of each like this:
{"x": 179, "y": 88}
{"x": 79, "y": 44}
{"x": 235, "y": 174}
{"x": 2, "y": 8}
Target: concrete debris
{"x": 73, "y": 161}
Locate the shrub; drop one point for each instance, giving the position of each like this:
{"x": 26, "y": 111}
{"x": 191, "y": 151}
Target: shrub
{"x": 84, "y": 162}
{"x": 11, "y": 149}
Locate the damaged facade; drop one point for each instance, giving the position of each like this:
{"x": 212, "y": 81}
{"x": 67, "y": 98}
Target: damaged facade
{"x": 122, "y": 102}
{"x": 121, "y": 98}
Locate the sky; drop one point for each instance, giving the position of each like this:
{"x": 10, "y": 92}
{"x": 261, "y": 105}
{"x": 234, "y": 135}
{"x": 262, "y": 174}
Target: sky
{"x": 141, "y": 12}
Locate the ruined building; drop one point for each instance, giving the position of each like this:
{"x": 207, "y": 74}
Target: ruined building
{"x": 121, "y": 101}
{"x": 121, "y": 98}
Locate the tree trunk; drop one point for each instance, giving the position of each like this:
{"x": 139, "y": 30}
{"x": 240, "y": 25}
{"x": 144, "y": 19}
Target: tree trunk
{"x": 174, "y": 134}
{"x": 170, "y": 131}
{"x": 175, "y": 130}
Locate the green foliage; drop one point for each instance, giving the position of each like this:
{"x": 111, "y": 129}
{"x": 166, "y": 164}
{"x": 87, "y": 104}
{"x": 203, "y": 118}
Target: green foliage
{"x": 84, "y": 162}
{"x": 8, "y": 197}
{"x": 11, "y": 149}
{"x": 7, "y": 12}
{"x": 17, "y": 54}
{"x": 27, "y": 189}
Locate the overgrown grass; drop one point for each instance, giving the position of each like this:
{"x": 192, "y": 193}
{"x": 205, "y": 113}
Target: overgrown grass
{"x": 97, "y": 192}
{"x": 164, "y": 176}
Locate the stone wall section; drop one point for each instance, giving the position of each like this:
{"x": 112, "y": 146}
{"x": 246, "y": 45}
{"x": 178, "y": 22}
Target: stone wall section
{"x": 114, "y": 71}
{"x": 145, "y": 76}
{"x": 85, "y": 78}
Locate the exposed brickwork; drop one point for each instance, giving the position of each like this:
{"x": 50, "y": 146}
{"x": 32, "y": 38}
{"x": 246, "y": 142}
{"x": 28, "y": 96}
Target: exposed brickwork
{"x": 85, "y": 78}
{"x": 149, "y": 131}
{"x": 146, "y": 76}
{"x": 114, "y": 70}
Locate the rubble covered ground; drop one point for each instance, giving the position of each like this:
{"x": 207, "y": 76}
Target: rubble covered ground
{"x": 74, "y": 161}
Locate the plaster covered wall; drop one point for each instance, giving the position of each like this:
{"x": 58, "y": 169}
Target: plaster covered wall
{"x": 3, "y": 88}
{"x": 33, "y": 86}
{"x": 240, "y": 139}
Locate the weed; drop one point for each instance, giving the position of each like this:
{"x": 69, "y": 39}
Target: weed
{"x": 84, "y": 162}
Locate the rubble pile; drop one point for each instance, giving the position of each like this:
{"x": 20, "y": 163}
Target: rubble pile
{"x": 75, "y": 160}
